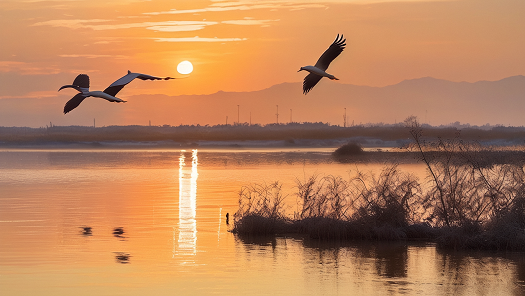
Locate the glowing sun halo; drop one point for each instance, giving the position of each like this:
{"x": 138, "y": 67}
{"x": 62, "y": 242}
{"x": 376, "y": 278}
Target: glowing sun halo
{"x": 184, "y": 67}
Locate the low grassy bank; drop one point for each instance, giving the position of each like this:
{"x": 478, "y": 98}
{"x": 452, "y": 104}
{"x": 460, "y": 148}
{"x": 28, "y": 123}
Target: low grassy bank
{"x": 467, "y": 201}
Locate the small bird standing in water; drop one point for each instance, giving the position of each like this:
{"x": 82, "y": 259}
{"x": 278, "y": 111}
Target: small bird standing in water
{"x": 118, "y": 232}
{"x": 86, "y": 230}
{"x": 227, "y": 218}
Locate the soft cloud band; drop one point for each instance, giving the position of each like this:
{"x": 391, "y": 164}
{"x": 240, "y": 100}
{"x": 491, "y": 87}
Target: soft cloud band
{"x": 198, "y": 39}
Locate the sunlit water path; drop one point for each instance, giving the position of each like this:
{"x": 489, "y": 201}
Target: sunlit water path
{"x": 153, "y": 223}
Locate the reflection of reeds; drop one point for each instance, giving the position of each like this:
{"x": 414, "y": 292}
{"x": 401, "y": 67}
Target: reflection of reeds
{"x": 472, "y": 200}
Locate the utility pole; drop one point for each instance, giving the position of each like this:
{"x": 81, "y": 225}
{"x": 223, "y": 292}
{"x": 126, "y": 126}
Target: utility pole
{"x": 277, "y": 114}
{"x": 291, "y": 116}
{"x": 344, "y": 119}
{"x": 238, "y": 122}
{"x": 250, "y": 118}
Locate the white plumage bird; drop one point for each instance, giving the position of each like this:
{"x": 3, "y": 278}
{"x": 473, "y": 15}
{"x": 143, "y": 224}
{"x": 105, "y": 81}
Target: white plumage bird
{"x": 81, "y": 84}
{"x": 318, "y": 71}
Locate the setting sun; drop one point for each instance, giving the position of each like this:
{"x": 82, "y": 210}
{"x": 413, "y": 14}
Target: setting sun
{"x": 185, "y": 67}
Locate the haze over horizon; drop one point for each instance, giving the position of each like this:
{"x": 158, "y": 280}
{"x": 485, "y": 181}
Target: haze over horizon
{"x": 250, "y": 46}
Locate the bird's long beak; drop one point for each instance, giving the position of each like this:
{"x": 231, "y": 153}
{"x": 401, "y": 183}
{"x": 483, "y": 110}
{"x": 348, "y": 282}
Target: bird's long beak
{"x": 71, "y": 86}
{"x": 300, "y": 70}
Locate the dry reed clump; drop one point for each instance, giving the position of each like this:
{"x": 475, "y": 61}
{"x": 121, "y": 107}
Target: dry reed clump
{"x": 389, "y": 207}
{"x": 366, "y": 207}
{"x": 474, "y": 197}
{"x": 471, "y": 200}
{"x": 261, "y": 210}
{"x": 323, "y": 228}
{"x": 507, "y": 231}
{"x": 326, "y": 197}
{"x": 391, "y": 199}
{"x": 323, "y": 205}
{"x": 331, "y": 208}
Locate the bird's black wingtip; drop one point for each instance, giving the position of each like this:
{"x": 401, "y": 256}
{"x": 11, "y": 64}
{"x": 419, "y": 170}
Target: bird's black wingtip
{"x": 340, "y": 40}
{"x": 67, "y": 110}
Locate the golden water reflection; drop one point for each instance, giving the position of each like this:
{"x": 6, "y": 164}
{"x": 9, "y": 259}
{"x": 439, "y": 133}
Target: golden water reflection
{"x": 187, "y": 228}
{"x": 62, "y": 233}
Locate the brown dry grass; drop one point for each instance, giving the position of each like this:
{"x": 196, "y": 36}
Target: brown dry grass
{"x": 471, "y": 200}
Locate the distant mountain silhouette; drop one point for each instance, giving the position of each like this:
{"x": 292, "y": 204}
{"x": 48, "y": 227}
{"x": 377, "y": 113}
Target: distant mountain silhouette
{"x": 434, "y": 101}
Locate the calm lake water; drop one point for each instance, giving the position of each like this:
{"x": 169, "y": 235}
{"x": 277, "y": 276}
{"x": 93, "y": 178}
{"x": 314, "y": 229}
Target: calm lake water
{"x": 153, "y": 223}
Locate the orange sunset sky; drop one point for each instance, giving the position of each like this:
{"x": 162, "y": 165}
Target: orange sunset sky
{"x": 248, "y": 45}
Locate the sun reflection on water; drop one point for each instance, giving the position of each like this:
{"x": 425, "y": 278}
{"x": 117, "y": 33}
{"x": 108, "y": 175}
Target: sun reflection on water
{"x": 187, "y": 241}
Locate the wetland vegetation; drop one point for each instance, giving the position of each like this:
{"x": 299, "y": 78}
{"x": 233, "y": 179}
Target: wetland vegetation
{"x": 473, "y": 197}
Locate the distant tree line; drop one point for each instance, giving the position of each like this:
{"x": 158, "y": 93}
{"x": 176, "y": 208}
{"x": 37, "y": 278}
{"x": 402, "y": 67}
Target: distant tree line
{"x": 246, "y": 132}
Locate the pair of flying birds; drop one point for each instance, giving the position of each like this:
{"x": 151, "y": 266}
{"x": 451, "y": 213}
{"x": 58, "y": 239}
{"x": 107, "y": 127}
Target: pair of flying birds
{"x": 81, "y": 83}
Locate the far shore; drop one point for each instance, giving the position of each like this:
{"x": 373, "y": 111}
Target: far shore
{"x": 293, "y": 135}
